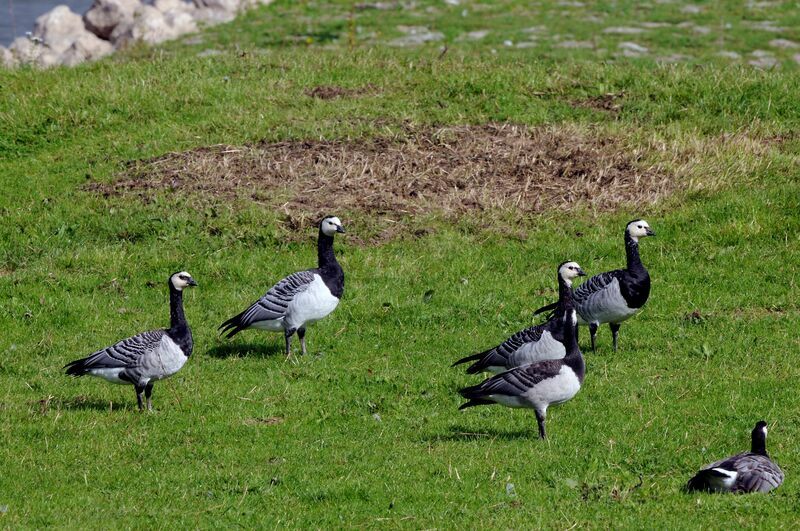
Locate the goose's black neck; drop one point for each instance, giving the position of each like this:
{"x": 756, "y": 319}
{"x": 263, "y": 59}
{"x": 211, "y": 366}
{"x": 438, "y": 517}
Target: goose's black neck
{"x": 179, "y": 329}
{"x": 632, "y": 253}
{"x": 574, "y": 358}
{"x": 759, "y": 443}
{"x": 565, "y": 302}
{"x": 330, "y": 270}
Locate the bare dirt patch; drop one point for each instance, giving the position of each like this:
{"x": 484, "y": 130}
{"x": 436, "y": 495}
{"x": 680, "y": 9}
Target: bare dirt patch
{"x": 451, "y": 171}
{"x": 609, "y": 102}
{"x": 330, "y": 92}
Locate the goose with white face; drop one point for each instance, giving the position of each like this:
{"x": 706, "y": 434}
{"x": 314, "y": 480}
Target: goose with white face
{"x": 569, "y": 271}
{"x": 331, "y": 225}
{"x": 639, "y": 229}
{"x": 182, "y": 280}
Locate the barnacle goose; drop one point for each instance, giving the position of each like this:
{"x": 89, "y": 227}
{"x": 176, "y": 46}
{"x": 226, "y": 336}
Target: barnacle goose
{"x": 751, "y": 471}
{"x": 537, "y": 385}
{"x": 299, "y": 299}
{"x": 614, "y": 296}
{"x": 148, "y": 357}
{"x": 546, "y": 341}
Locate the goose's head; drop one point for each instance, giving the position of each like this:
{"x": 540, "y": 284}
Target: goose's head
{"x": 330, "y": 225}
{"x": 181, "y": 280}
{"x": 639, "y": 228}
{"x": 569, "y": 271}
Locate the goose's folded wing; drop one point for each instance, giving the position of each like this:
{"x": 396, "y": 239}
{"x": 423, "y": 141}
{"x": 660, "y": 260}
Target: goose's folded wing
{"x": 520, "y": 380}
{"x": 757, "y": 473}
{"x": 125, "y": 353}
{"x": 274, "y": 303}
{"x": 595, "y": 284}
{"x": 511, "y": 345}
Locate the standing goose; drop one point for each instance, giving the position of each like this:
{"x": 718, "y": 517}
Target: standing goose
{"x": 751, "y": 471}
{"x": 546, "y": 341}
{"x": 614, "y": 296}
{"x": 301, "y": 298}
{"x": 538, "y": 385}
{"x": 148, "y": 357}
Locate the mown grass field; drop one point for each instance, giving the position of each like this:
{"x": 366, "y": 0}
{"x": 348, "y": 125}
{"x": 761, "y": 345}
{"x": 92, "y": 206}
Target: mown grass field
{"x": 364, "y": 431}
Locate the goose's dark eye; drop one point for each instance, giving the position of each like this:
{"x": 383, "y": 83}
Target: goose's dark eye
{"x": 640, "y": 226}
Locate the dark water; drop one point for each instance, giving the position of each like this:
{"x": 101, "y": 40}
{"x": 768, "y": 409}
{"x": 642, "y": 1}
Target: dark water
{"x": 18, "y": 16}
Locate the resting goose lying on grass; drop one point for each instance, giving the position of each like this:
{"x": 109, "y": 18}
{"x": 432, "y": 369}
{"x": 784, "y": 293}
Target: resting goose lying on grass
{"x": 751, "y": 471}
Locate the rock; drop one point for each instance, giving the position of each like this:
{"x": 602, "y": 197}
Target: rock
{"x": 7, "y": 58}
{"x": 231, "y": 6}
{"x": 58, "y": 28}
{"x": 152, "y": 26}
{"x": 728, "y": 54}
{"x": 24, "y": 50}
{"x": 105, "y": 15}
{"x": 575, "y": 44}
{"x": 623, "y": 30}
{"x": 87, "y": 47}
{"x": 473, "y": 35}
{"x": 167, "y": 6}
{"x": 783, "y": 43}
{"x": 632, "y": 47}
{"x": 415, "y": 35}
{"x": 218, "y": 11}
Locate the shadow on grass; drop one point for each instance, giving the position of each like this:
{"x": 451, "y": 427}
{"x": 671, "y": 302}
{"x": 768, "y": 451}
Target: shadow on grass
{"x": 240, "y": 350}
{"x": 462, "y": 433}
{"x": 83, "y": 403}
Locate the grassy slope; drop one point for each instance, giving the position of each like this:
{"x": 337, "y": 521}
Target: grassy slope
{"x": 676, "y": 387}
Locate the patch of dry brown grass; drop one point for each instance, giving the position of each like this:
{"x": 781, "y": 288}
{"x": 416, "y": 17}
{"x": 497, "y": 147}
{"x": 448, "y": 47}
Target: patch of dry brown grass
{"x": 451, "y": 170}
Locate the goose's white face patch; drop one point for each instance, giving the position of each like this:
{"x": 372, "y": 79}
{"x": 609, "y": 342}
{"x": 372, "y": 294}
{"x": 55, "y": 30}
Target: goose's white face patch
{"x": 331, "y": 226}
{"x": 638, "y": 229}
{"x": 764, "y": 429}
{"x": 569, "y": 271}
{"x": 181, "y": 280}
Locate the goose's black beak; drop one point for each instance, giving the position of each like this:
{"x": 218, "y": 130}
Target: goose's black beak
{"x": 649, "y": 232}
{"x": 340, "y": 229}
{"x": 192, "y": 282}
{"x": 581, "y": 272}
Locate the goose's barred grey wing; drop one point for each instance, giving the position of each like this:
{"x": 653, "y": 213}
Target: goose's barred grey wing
{"x": 123, "y": 354}
{"x": 515, "y": 382}
{"x": 755, "y": 473}
{"x": 272, "y": 305}
{"x": 513, "y": 343}
{"x": 594, "y": 284}
{"x": 500, "y": 355}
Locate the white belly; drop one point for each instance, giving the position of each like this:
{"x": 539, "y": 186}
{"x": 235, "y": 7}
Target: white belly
{"x": 606, "y": 306}
{"x": 164, "y": 361}
{"x": 311, "y": 305}
{"x": 272, "y": 326}
{"x": 111, "y": 375}
{"x": 555, "y": 390}
{"x": 546, "y": 348}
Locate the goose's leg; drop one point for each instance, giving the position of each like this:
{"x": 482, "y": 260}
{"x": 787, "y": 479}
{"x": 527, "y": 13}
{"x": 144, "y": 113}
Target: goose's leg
{"x": 301, "y": 333}
{"x": 593, "y": 333}
{"x": 614, "y": 333}
{"x": 540, "y": 422}
{"x": 287, "y": 334}
{"x": 148, "y": 393}
{"x": 139, "y": 391}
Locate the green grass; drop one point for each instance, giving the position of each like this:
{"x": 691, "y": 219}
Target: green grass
{"x": 78, "y": 271}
